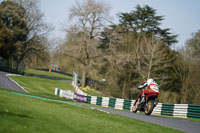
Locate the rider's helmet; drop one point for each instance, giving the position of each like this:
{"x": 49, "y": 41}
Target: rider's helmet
{"x": 150, "y": 81}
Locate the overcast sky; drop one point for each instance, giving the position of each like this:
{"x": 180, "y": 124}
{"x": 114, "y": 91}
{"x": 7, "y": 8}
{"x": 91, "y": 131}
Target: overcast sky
{"x": 181, "y": 16}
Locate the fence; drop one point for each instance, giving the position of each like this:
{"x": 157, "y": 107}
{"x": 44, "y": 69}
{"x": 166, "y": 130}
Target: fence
{"x": 11, "y": 66}
{"x": 176, "y": 110}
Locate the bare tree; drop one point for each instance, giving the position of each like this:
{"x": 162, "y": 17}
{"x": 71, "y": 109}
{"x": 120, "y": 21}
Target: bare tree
{"x": 188, "y": 68}
{"x": 133, "y": 58}
{"x": 154, "y": 60}
{"x": 39, "y": 58}
{"x": 89, "y": 18}
{"x": 193, "y": 47}
{"x": 120, "y": 61}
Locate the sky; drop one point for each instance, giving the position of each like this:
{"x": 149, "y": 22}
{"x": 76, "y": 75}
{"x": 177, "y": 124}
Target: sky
{"x": 181, "y": 16}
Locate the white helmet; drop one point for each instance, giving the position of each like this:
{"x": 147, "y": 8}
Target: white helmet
{"x": 150, "y": 81}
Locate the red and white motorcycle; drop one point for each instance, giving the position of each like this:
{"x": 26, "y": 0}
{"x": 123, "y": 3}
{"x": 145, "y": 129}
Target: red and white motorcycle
{"x": 150, "y": 96}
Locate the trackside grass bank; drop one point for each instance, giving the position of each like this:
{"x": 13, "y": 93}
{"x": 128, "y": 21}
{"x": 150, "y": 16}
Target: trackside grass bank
{"x": 40, "y": 86}
{"x": 49, "y": 74}
{"x": 22, "y": 114}
{"x": 45, "y": 87}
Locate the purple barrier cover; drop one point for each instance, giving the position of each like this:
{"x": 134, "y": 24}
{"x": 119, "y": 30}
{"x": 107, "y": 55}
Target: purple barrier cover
{"x": 80, "y": 98}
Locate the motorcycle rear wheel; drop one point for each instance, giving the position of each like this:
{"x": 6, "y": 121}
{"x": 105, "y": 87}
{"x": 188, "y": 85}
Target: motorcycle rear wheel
{"x": 135, "y": 107}
{"x": 149, "y": 107}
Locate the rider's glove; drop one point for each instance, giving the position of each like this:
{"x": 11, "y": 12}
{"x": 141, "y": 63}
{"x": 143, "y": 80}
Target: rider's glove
{"x": 140, "y": 87}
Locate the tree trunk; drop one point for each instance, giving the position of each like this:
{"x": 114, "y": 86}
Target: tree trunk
{"x": 17, "y": 67}
{"x": 123, "y": 90}
{"x": 150, "y": 62}
{"x": 83, "y": 80}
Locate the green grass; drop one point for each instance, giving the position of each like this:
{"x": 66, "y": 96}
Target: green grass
{"x": 21, "y": 114}
{"x": 192, "y": 119}
{"x": 95, "y": 93}
{"x": 49, "y": 74}
{"x": 40, "y": 86}
{"x": 45, "y": 87}
{"x": 57, "y": 75}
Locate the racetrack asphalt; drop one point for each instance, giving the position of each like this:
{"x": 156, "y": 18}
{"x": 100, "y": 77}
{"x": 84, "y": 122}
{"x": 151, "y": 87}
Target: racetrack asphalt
{"x": 178, "y": 124}
{"x": 6, "y": 83}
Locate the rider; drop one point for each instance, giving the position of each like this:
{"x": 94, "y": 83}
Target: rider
{"x": 151, "y": 85}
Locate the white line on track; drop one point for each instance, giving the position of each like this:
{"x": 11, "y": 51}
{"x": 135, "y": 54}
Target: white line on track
{"x": 15, "y": 81}
{"x": 100, "y": 110}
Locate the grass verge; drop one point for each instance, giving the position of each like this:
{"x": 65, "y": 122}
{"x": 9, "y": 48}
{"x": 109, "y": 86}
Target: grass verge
{"x": 21, "y": 114}
{"x": 40, "y": 86}
{"x": 45, "y": 87}
{"x": 49, "y": 74}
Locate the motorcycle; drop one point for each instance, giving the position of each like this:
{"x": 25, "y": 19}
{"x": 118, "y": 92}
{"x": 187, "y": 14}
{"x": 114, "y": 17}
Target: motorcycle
{"x": 148, "y": 105}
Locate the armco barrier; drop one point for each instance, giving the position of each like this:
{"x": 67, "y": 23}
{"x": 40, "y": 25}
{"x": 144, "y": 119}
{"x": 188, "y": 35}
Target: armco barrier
{"x": 127, "y": 104}
{"x": 193, "y": 111}
{"x": 80, "y": 98}
{"x": 65, "y": 93}
{"x": 180, "y": 110}
{"x": 99, "y": 101}
{"x": 69, "y": 94}
{"x": 119, "y": 104}
{"x": 176, "y": 110}
{"x": 167, "y": 109}
{"x": 93, "y": 100}
{"x": 112, "y": 102}
{"x": 105, "y": 101}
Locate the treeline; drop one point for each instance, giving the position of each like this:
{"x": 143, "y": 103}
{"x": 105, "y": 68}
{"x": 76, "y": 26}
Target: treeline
{"x": 126, "y": 54}
{"x": 23, "y": 34}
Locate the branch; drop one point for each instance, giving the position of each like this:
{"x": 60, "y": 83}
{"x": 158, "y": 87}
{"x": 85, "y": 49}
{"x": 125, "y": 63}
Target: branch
{"x": 76, "y": 58}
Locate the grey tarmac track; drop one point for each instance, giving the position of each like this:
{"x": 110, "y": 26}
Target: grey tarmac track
{"x": 178, "y": 124}
{"x": 6, "y": 83}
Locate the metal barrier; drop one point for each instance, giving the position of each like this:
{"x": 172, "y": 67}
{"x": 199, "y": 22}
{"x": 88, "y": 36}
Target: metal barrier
{"x": 11, "y": 66}
{"x": 193, "y": 111}
{"x": 176, "y": 110}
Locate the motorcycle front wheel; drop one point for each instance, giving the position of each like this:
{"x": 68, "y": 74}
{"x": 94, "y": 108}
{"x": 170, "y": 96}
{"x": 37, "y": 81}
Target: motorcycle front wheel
{"x": 135, "y": 106}
{"x": 149, "y": 107}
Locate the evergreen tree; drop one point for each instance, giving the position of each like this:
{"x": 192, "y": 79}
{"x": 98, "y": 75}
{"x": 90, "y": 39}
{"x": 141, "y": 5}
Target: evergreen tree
{"x": 21, "y": 30}
{"x": 145, "y": 20}
{"x": 13, "y": 28}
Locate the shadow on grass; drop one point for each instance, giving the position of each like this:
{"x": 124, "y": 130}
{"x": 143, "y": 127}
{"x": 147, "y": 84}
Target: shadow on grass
{"x": 4, "y": 113}
{"x": 48, "y": 77}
